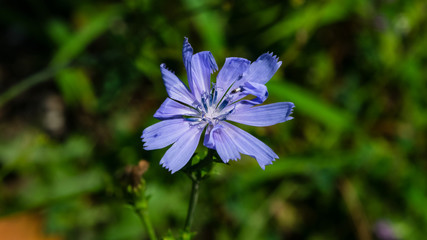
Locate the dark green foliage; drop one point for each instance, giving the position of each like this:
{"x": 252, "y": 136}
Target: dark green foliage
{"x": 80, "y": 80}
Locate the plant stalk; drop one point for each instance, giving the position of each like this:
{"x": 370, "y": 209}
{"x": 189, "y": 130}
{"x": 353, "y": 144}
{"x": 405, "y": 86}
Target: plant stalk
{"x": 192, "y": 205}
{"x": 143, "y": 215}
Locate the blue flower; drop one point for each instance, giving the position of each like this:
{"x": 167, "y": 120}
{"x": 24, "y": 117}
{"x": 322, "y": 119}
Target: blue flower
{"x": 206, "y": 105}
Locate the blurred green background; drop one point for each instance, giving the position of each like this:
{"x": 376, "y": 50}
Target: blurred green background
{"x": 80, "y": 80}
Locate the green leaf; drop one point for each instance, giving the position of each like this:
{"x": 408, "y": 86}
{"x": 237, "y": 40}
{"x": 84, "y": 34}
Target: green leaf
{"x": 309, "y": 104}
{"x": 76, "y": 88}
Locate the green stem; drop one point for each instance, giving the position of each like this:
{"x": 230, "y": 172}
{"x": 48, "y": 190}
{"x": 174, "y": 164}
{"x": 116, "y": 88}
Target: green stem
{"x": 196, "y": 174}
{"x": 192, "y": 205}
{"x": 143, "y": 215}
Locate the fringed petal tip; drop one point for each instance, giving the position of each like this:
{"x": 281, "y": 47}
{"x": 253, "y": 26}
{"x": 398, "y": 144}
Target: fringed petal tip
{"x": 271, "y": 57}
{"x": 186, "y": 41}
{"x": 163, "y": 66}
{"x": 187, "y": 53}
{"x": 263, "y": 68}
{"x": 164, "y": 165}
{"x": 271, "y": 163}
{"x": 290, "y": 111}
{"x": 169, "y": 169}
{"x": 273, "y": 159}
{"x": 271, "y": 54}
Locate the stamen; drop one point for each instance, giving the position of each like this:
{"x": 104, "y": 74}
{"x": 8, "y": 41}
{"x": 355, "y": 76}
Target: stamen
{"x": 205, "y": 100}
{"x": 224, "y": 103}
{"x": 213, "y": 96}
{"x": 193, "y": 119}
{"x": 213, "y": 90}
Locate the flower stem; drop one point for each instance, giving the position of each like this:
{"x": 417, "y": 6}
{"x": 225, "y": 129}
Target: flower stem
{"x": 197, "y": 173}
{"x": 143, "y": 215}
{"x": 192, "y": 205}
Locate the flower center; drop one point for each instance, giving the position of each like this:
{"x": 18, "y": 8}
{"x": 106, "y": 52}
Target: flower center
{"x": 212, "y": 110}
{"x": 209, "y": 112}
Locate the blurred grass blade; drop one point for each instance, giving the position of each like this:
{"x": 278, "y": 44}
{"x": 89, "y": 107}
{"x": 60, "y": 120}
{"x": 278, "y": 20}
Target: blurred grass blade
{"x": 308, "y": 18}
{"x": 58, "y": 31}
{"x": 76, "y": 88}
{"x": 209, "y": 24}
{"x": 311, "y": 105}
{"x": 29, "y": 82}
{"x": 81, "y": 39}
{"x": 75, "y": 85}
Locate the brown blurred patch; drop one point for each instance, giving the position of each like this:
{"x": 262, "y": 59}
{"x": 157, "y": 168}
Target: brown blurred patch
{"x": 26, "y": 226}
{"x": 133, "y": 173}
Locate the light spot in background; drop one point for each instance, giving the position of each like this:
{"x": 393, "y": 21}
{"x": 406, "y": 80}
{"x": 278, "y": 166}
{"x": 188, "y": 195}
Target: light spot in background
{"x": 53, "y": 118}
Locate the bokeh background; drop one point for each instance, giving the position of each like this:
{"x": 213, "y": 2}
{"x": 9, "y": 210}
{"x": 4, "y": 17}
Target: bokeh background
{"x": 80, "y": 80}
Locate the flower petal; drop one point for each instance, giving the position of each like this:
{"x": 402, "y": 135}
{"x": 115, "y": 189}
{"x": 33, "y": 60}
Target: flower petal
{"x": 262, "y": 69}
{"x": 256, "y": 89}
{"x": 173, "y": 109}
{"x": 231, "y": 72}
{"x": 181, "y": 151}
{"x": 208, "y": 140}
{"x": 187, "y": 54}
{"x": 164, "y": 133}
{"x": 253, "y": 80}
{"x": 261, "y": 116}
{"x": 223, "y": 144}
{"x": 202, "y": 66}
{"x": 249, "y": 145}
{"x": 175, "y": 87}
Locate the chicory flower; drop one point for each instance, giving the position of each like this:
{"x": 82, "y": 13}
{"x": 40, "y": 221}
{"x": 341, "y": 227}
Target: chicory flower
{"x": 208, "y": 106}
